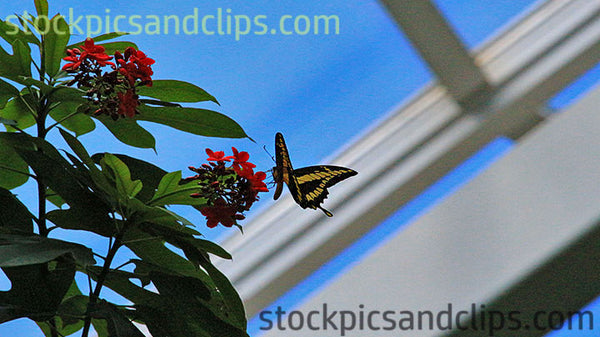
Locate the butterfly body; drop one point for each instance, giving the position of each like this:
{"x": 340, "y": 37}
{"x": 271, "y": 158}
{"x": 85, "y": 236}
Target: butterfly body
{"x": 308, "y": 185}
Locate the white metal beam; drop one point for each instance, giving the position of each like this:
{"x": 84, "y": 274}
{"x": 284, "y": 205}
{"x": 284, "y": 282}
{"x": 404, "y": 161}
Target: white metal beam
{"x": 441, "y": 48}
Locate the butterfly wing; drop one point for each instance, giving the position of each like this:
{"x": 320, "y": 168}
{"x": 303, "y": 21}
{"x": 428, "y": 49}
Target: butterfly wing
{"x": 308, "y": 185}
{"x": 283, "y": 172}
{"x": 313, "y": 182}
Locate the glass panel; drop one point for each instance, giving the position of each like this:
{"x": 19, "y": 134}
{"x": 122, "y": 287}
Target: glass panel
{"x": 390, "y": 227}
{"x": 475, "y": 21}
{"x": 580, "y": 86}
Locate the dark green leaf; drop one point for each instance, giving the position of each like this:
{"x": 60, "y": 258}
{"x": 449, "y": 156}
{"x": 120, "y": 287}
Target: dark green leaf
{"x": 196, "y": 121}
{"x": 149, "y": 174}
{"x": 13, "y": 169}
{"x": 129, "y": 132}
{"x": 57, "y": 173}
{"x": 126, "y": 188}
{"x": 70, "y": 313}
{"x": 152, "y": 250}
{"x": 120, "y": 282}
{"x": 41, "y": 6}
{"x": 55, "y": 42}
{"x": 7, "y": 92}
{"x": 11, "y": 32}
{"x": 99, "y": 38}
{"x": 13, "y": 214}
{"x": 78, "y": 218}
{"x": 111, "y": 47}
{"x": 18, "y": 64}
{"x": 175, "y": 91}
{"x": 36, "y": 290}
{"x": 118, "y": 324}
{"x": 22, "y": 55}
{"x": 234, "y": 305}
{"x": 18, "y": 109}
{"x": 19, "y": 250}
{"x": 32, "y": 82}
{"x": 191, "y": 312}
{"x": 209, "y": 247}
{"x": 65, "y": 112}
{"x": 54, "y": 198}
{"x": 170, "y": 192}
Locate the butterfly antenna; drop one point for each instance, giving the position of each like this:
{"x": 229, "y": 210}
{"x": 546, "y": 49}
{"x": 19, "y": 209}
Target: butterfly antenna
{"x": 269, "y": 153}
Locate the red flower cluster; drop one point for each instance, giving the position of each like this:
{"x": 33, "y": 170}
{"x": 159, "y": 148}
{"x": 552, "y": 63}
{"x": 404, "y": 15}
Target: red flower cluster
{"x": 90, "y": 52}
{"x": 229, "y": 190}
{"x": 135, "y": 65}
{"x": 112, "y": 93}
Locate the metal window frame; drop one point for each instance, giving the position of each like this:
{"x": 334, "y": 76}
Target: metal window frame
{"x": 417, "y": 144}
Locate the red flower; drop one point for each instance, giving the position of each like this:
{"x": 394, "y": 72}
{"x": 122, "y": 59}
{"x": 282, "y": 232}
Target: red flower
{"x": 240, "y": 161}
{"x": 75, "y": 59}
{"x": 135, "y": 65}
{"x": 96, "y": 53}
{"x": 256, "y": 180}
{"x": 90, "y": 52}
{"x": 217, "y": 156}
{"x": 220, "y": 212}
{"x": 128, "y": 103}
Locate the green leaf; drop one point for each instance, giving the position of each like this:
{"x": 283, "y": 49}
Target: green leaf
{"x": 196, "y": 121}
{"x": 191, "y": 312}
{"x": 118, "y": 324}
{"x": 7, "y": 92}
{"x": 36, "y": 290}
{"x": 87, "y": 219}
{"x": 18, "y": 64}
{"x": 22, "y": 55}
{"x": 72, "y": 184}
{"x": 234, "y": 305}
{"x": 55, "y": 42}
{"x": 111, "y": 47}
{"x": 19, "y": 250}
{"x": 175, "y": 91}
{"x": 70, "y": 313}
{"x": 32, "y": 82}
{"x": 65, "y": 112}
{"x": 209, "y": 247}
{"x": 99, "y": 38}
{"x": 126, "y": 187}
{"x": 128, "y": 131}
{"x": 151, "y": 249}
{"x": 149, "y": 174}
{"x": 13, "y": 169}
{"x": 54, "y": 198}
{"x": 41, "y": 6}
{"x": 18, "y": 109}
{"x": 11, "y": 32}
{"x": 170, "y": 192}
{"x": 13, "y": 214}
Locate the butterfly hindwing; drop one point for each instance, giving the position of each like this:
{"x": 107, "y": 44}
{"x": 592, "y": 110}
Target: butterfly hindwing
{"x": 308, "y": 185}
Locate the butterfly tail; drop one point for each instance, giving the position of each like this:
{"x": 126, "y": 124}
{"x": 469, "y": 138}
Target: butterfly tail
{"x": 328, "y": 213}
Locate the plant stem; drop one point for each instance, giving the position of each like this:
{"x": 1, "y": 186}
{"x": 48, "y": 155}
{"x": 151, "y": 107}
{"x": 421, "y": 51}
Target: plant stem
{"x": 101, "y": 278}
{"x": 41, "y": 133}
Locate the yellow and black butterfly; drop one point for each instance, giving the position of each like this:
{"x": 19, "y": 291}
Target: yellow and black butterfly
{"x": 308, "y": 185}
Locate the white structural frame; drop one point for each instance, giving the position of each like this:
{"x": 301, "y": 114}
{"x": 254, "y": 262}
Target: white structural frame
{"x": 422, "y": 140}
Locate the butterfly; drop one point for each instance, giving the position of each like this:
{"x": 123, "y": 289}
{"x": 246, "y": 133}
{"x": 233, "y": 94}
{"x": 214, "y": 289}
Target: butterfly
{"x": 308, "y": 185}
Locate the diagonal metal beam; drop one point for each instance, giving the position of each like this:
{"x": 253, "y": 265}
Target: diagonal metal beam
{"x": 442, "y": 49}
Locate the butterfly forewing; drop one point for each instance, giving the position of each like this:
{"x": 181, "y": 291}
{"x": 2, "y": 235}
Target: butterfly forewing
{"x": 283, "y": 172}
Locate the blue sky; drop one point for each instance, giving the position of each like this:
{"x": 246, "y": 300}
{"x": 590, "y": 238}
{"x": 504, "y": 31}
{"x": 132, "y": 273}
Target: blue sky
{"x": 319, "y": 90}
